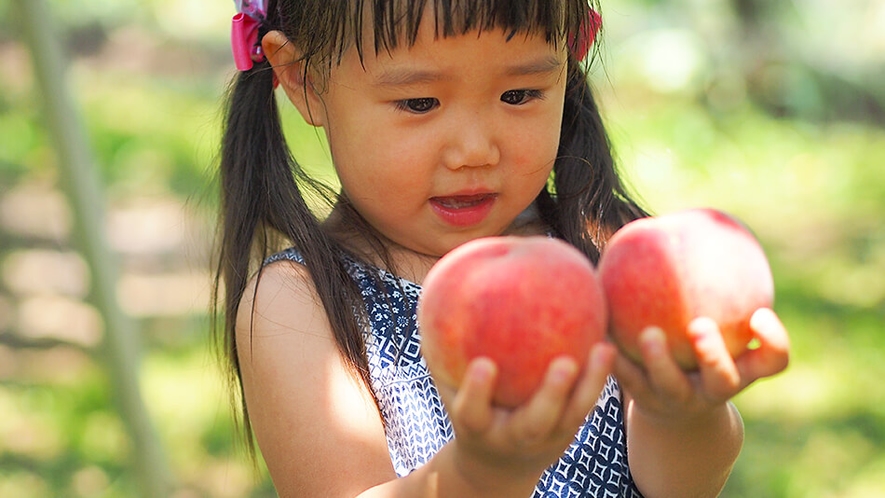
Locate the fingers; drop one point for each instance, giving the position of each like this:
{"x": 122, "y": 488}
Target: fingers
{"x": 566, "y": 397}
{"x": 472, "y": 403}
{"x": 540, "y": 415}
{"x": 663, "y": 373}
{"x": 659, "y": 386}
{"x": 660, "y": 381}
{"x": 590, "y": 384}
{"x": 560, "y": 404}
{"x": 773, "y": 353}
{"x": 719, "y": 376}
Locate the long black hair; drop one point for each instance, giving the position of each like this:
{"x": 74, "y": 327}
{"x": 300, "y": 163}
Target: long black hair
{"x": 268, "y": 201}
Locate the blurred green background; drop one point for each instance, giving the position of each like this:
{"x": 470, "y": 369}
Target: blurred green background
{"x": 774, "y": 111}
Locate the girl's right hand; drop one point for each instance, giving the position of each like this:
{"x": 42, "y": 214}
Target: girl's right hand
{"x": 519, "y": 444}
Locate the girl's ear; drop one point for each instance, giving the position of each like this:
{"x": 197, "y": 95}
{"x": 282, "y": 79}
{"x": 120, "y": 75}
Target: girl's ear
{"x": 288, "y": 68}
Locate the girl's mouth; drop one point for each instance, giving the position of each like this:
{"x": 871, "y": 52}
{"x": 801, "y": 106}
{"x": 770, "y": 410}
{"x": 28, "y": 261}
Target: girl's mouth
{"x": 463, "y": 210}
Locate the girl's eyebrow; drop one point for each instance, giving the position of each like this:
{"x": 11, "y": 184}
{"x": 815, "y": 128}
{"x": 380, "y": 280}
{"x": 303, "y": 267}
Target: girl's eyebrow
{"x": 548, "y": 64}
{"x": 405, "y": 76}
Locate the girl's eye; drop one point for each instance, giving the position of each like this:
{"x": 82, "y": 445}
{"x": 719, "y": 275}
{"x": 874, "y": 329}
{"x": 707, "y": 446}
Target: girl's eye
{"x": 417, "y": 106}
{"x": 518, "y": 97}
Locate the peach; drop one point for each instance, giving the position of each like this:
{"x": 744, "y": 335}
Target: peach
{"x": 519, "y": 301}
{"x": 667, "y": 271}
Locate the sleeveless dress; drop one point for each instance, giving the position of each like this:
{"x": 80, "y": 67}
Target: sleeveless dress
{"x": 417, "y": 426}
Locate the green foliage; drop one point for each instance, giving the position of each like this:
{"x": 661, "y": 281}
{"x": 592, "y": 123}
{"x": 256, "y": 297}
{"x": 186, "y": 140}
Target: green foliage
{"x": 814, "y": 195}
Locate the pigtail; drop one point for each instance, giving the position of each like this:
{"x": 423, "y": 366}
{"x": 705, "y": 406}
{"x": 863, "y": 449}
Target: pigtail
{"x": 586, "y": 201}
{"x": 250, "y": 145}
{"x": 263, "y": 207}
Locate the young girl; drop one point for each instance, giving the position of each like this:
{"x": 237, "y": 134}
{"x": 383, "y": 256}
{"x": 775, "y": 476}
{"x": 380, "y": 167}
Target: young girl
{"x": 446, "y": 121}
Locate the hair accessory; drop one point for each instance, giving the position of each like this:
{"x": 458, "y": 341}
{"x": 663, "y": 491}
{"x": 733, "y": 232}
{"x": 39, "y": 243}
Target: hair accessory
{"x": 244, "y": 33}
{"x": 581, "y": 41}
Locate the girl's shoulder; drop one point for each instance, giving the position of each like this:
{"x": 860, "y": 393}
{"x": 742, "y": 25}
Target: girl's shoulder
{"x": 365, "y": 274}
{"x": 292, "y": 370}
{"x": 280, "y": 278}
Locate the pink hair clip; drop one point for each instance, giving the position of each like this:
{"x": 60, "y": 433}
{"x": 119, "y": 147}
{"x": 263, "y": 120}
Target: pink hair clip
{"x": 244, "y": 33}
{"x": 581, "y": 41}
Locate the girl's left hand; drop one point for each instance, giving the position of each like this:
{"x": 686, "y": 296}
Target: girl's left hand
{"x": 663, "y": 390}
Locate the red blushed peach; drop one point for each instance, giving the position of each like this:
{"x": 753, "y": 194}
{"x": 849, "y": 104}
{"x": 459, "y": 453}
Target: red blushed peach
{"x": 519, "y": 301}
{"x": 667, "y": 271}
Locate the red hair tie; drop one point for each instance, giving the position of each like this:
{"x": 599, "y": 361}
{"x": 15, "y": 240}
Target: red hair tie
{"x": 244, "y": 33}
{"x": 580, "y": 42}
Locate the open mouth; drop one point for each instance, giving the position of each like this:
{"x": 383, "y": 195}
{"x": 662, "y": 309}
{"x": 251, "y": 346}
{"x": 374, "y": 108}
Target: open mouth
{"x": 463, "y": 210}
{"x": 463, "y": 201}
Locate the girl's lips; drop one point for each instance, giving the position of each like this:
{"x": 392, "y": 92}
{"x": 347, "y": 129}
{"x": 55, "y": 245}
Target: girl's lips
{"x": 463, "y": 210}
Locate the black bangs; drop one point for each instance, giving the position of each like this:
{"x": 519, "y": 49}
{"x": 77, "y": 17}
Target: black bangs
{"x": 397, "y": 21}
{"x": 327, "y": 28}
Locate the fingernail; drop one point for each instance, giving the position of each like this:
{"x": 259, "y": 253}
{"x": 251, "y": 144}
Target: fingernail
{"x": 482, "y": 369}
{"x": 760, "y": 318}
{"x": 564, "y": 369}
{"x": 703, "y": 325}
{"x": 599, "y": 354}
{"x": 654, "y": 339}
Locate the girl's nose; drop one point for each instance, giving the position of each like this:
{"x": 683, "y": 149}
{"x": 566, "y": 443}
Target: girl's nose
{"x": 472, "y": 143}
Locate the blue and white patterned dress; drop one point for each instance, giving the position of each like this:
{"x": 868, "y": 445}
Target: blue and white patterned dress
{"x": 417, "y": 426}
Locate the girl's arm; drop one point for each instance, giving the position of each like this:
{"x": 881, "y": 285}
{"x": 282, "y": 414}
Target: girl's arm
{"x": 683, "y": 433}
{"x": 320, "y": 432}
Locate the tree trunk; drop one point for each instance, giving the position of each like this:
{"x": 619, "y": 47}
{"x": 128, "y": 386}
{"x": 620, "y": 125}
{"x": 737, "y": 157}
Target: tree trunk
{"x": 120, "y": 345}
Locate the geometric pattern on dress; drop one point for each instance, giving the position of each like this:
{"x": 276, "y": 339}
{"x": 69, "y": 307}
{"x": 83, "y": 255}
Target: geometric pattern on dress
{"x": 595, "y": 464}
{"x": 417, "y": 425}
{"x": 416, "y": 421}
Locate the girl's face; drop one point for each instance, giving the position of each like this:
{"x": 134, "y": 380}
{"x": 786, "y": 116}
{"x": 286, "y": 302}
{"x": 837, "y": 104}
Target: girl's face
{"x": 447, "y": 140}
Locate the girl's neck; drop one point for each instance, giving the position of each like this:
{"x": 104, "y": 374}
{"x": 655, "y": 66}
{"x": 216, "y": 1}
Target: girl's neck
{"x": 370, "y": 246}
